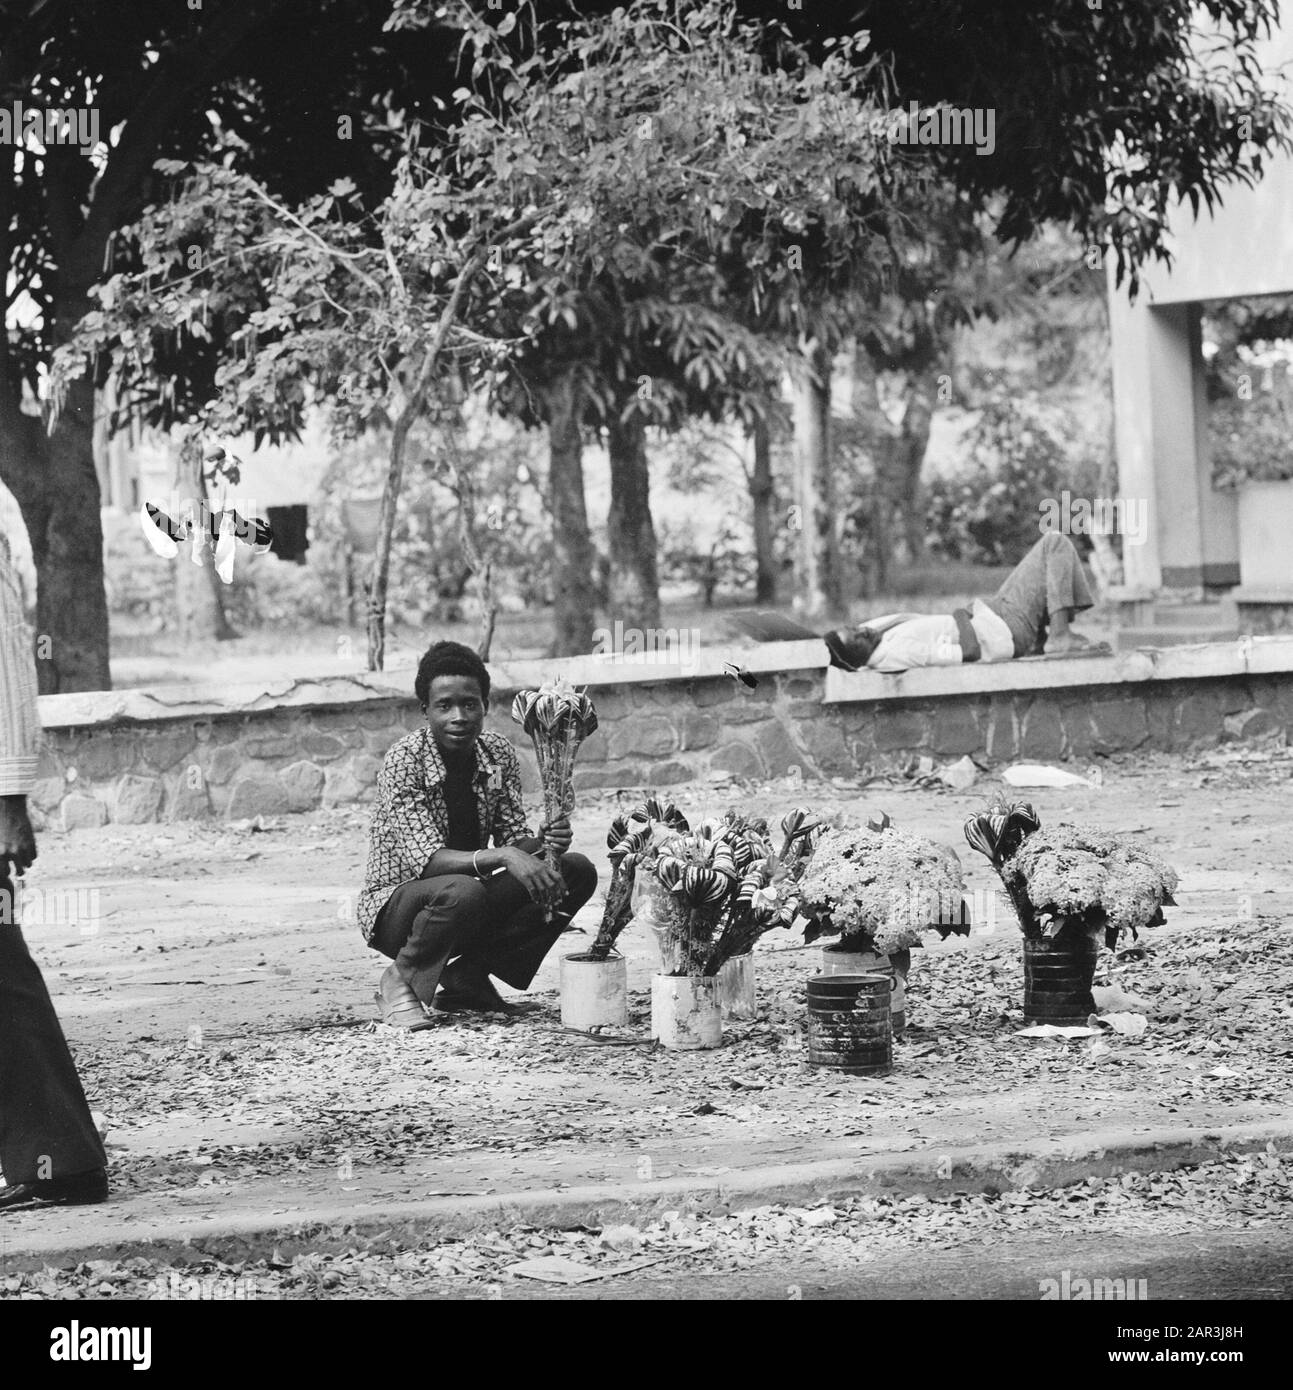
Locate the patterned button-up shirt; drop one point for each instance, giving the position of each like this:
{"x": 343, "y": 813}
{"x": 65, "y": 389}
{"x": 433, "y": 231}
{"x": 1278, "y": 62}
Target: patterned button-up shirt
{"x": 19, "y": 721}
{"x": 411, "y": 819}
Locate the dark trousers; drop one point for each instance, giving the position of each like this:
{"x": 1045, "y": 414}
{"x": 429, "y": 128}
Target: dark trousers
{"x": 45, "y": 1125}
{"x": 491, "y": 925}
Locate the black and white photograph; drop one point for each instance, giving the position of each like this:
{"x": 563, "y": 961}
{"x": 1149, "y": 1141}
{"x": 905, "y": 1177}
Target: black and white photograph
{"x": 646, "y": 656}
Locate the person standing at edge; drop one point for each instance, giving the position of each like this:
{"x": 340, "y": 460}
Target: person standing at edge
{"x": 50, "y": 1151}
{"x": 447, "y": 910}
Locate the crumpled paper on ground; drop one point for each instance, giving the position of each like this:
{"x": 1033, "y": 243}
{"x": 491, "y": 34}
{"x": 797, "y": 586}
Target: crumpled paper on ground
{"x": 1049, "y": 1030}
{"x": 960, "y": 774}
{"x": 1109, "y": 999}
{"x": 1127, "y": 1025}
{"x": 1039, "y": 775}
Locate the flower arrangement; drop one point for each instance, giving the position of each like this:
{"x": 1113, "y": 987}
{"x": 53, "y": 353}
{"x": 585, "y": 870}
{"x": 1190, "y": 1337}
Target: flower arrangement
{"x": 1072, "y": 879}
{"x": 724, "y": 887}
{"x": 632, "y": 840}
{"x": 880, "y": 888}
{"x": 558, "y": 718}
{"x": 699, "y": 872}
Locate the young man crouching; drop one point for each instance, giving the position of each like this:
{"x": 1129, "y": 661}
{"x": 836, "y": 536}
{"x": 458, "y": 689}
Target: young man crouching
{"x": 449, "y": 910}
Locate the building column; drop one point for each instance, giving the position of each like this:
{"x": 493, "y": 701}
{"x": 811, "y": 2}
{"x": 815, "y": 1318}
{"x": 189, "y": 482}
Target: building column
{"x": 1161, "y": 424}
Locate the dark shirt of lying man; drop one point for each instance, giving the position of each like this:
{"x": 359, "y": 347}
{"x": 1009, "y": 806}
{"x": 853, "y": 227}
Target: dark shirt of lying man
{"x": 449, "y": 910}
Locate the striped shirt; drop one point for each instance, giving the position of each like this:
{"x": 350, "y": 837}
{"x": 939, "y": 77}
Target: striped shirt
{"x": 19, "y": 721}
{"x": 411, "y": 817}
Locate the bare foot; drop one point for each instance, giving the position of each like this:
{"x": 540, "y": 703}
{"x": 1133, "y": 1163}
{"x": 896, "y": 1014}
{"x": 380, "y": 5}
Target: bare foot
{"x": 1071, "y": 642}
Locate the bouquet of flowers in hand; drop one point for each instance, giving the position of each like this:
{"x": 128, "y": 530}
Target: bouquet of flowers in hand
{"x": 633, "y": 840}
{"x": 558, "y": 718}
{"x": 880, "y": 888}
{"x": 1072, "y": 878}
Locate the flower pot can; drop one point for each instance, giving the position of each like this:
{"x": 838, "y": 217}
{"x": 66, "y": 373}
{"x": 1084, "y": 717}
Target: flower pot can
{"x": 870, "y": 963}
{"x": 736, "y": 987}
{"x": 1057, "y": 980}
{"x": 649, "y": 900}
{"x": 594, "y": 993}
{"x": 685, "y": 1012}
{"x": 850, "y": 1023}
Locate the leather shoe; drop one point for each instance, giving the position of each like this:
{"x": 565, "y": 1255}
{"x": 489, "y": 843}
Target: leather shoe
{"x": 77, "y": 1190}
{"x": 400, "y": 1007}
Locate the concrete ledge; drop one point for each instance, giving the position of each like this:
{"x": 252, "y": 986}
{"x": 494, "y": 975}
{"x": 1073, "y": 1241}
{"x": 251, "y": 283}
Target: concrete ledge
{"x": 292, "y": 745}
{"x": 649, "y": 667}
{"x": 164, "y": 702}
{"x": 1258, "y": 655}
{"x": 1242, "y": 657}
{"x": 320, "y": 1224}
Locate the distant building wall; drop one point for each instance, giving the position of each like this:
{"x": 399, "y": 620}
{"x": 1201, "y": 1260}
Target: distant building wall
{"x": 1243, "y": 248}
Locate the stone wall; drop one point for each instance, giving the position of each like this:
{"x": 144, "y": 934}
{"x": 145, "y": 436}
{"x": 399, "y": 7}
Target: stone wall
{"x": 230, "y": 765}
{"x": 142, "y": 757}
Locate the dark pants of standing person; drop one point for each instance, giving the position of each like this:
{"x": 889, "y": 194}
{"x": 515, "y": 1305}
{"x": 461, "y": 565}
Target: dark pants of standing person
{"x": 491, "y": 924}
{"x": 45, "y": 1125}
{"x": 1047, "y": 579}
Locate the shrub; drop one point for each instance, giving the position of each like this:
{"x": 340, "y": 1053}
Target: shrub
{"x": 269, "y": 592}
{"x": 138, "y": 583}
{"x": 989, "y": 513}
{"x": 1250, "y": 439}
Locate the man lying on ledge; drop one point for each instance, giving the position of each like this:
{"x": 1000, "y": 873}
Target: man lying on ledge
{"x": 448, "y": 911}
{"x": 1028, "y": 616}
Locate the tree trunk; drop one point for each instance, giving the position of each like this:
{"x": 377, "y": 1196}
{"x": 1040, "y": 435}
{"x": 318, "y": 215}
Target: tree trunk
{"x": 198, "y": 601}
{"x": 1106, "y": 567}
{"x": 817, "y": 569}
{"x": 574, "y": 595}
{"x": 482, "y": 570}
{"x": 412, "y": 405}
{"x": 761, "y": 497}
{"x": 381, "y": 571}
{"x": 896, "y": 521}
{"x": 66, "y": 530}
{"x": 911, "y": 446}
{"x": 634, "y": 583}
{"x": 875, "y": 428}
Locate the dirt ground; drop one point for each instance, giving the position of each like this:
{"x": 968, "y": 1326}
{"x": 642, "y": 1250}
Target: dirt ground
{"x": 222, "y": 1013}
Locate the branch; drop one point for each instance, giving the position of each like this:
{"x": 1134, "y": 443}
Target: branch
{"x": 166, "y": 96}
{"x": 450, "y": 312}
{"x": 334, "y": 251}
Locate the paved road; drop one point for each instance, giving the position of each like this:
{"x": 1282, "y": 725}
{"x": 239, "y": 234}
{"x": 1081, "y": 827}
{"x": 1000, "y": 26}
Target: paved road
{"x": 1204, "y": 1265}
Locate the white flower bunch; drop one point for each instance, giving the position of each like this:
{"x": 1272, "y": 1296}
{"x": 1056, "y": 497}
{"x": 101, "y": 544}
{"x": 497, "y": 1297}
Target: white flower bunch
{"x": 887, "y": 885}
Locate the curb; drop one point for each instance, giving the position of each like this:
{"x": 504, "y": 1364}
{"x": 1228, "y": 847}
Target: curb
{"x": 989, "y": 1168}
